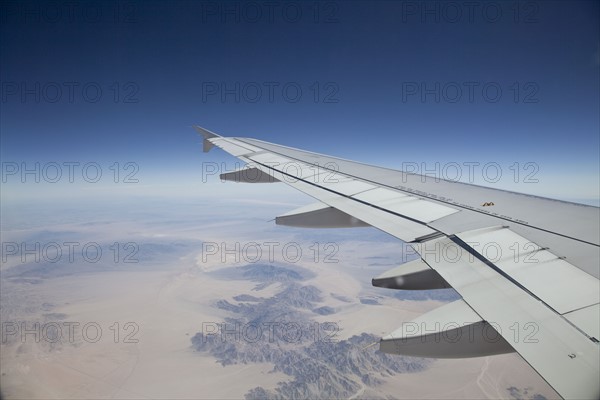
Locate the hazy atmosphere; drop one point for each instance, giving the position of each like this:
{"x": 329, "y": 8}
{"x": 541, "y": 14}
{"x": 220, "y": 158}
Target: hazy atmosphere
{"x": 130, "y": 270}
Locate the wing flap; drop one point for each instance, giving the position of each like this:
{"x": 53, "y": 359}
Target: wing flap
{"x": 318, "y": 215}
{"x": 453, "y": 330}
{"x": 414, "y": 275}
{"x": 248, "y": 175}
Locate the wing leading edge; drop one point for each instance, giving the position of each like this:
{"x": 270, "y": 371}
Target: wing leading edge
{"x": 526, "y": 267}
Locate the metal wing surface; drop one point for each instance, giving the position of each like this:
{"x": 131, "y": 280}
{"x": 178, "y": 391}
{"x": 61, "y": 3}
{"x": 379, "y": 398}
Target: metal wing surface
{"x": 527, "y": 268}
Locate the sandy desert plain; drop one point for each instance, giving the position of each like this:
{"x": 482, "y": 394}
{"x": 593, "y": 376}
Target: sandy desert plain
{"x": 128, "y": 329}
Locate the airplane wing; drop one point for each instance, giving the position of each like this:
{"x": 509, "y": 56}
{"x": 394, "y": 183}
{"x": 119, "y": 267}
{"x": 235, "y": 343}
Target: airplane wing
{"x": 527, "y": 268}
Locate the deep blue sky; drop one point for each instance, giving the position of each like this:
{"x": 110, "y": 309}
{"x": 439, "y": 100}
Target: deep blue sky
{"x": 365, "y": 56}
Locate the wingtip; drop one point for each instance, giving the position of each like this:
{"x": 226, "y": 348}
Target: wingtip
{"x": 205, "y": 132}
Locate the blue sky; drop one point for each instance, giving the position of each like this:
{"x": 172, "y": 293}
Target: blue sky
{"x": 382, "y": 82}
